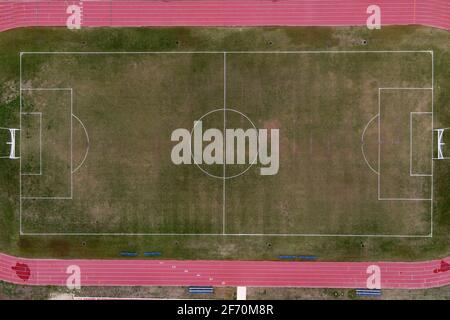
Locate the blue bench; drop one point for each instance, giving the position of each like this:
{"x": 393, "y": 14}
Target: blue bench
{"x": 368, "y": 292}
{"x": 152, "y": 254}
{"x": 201, "y": 290}
{"x": 307, "y": 258}
{"x": 287, "y": 257}
{"x": 128, "y": 254}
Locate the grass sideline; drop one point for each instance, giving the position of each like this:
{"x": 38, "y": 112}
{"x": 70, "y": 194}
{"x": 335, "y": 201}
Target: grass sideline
{"x": 10, "y": 291}
{"x": 390, "y": 38}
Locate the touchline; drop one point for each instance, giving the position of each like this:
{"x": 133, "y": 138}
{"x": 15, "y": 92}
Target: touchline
{"x": 241, "y": 146}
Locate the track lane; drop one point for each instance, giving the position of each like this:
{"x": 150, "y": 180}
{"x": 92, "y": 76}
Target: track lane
{"x": 121, "y": 13}
{"x": 226, "y": 273}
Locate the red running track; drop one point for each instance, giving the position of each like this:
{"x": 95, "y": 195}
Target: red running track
{"x": 130, "y": 13}
{"x": 121, "y": 13}
{"x": 411, "y": 275}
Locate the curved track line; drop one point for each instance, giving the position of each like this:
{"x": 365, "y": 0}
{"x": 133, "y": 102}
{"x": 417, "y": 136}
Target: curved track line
{"x": 88, "y": 143}
{"x": 362, "y": 143}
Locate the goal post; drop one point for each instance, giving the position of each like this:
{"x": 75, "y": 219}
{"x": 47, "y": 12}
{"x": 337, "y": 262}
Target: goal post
{"x": 9, "y": 135}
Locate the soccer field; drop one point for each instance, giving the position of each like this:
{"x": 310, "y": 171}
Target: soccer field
{"x": 351, "y": 138}
{"x": 96, "y": 143}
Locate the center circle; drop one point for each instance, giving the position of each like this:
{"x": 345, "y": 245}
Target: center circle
{"x": 224, "y": 112}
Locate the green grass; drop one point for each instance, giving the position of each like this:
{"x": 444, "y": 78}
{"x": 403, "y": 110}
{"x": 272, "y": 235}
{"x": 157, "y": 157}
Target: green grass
{"x": 10, "y": 291}
{"x": 110, "y": 93}
{"x": 321, "y": 103}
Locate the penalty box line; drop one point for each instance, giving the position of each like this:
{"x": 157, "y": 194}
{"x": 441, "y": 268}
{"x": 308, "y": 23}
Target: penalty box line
{"x": 21, "y": 113}
{"x": 224, "y": 183}
{"x": 431, "y": 200}
{"x": 380, "y": 198}
{"x": 70, "y": 196}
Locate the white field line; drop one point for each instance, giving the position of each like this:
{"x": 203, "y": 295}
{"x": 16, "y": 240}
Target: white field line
{"x": 405, "y": 199}
{"x": 221, "y": 52}
{"x": 224, "y": 173}
{"x": 45, "y": 89}
{"x": 46, "y": 198}
{"x": 233, "y": 52}
{"x": 432, "y": 142}
{"x": 71, "y": 143}
{"x": 88, "y": 143}
{"x": 20, "y": 144}
{"x": 379, "y": 140}
{"x": 106, "y": 234}
{"x": 362, "y": 143}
